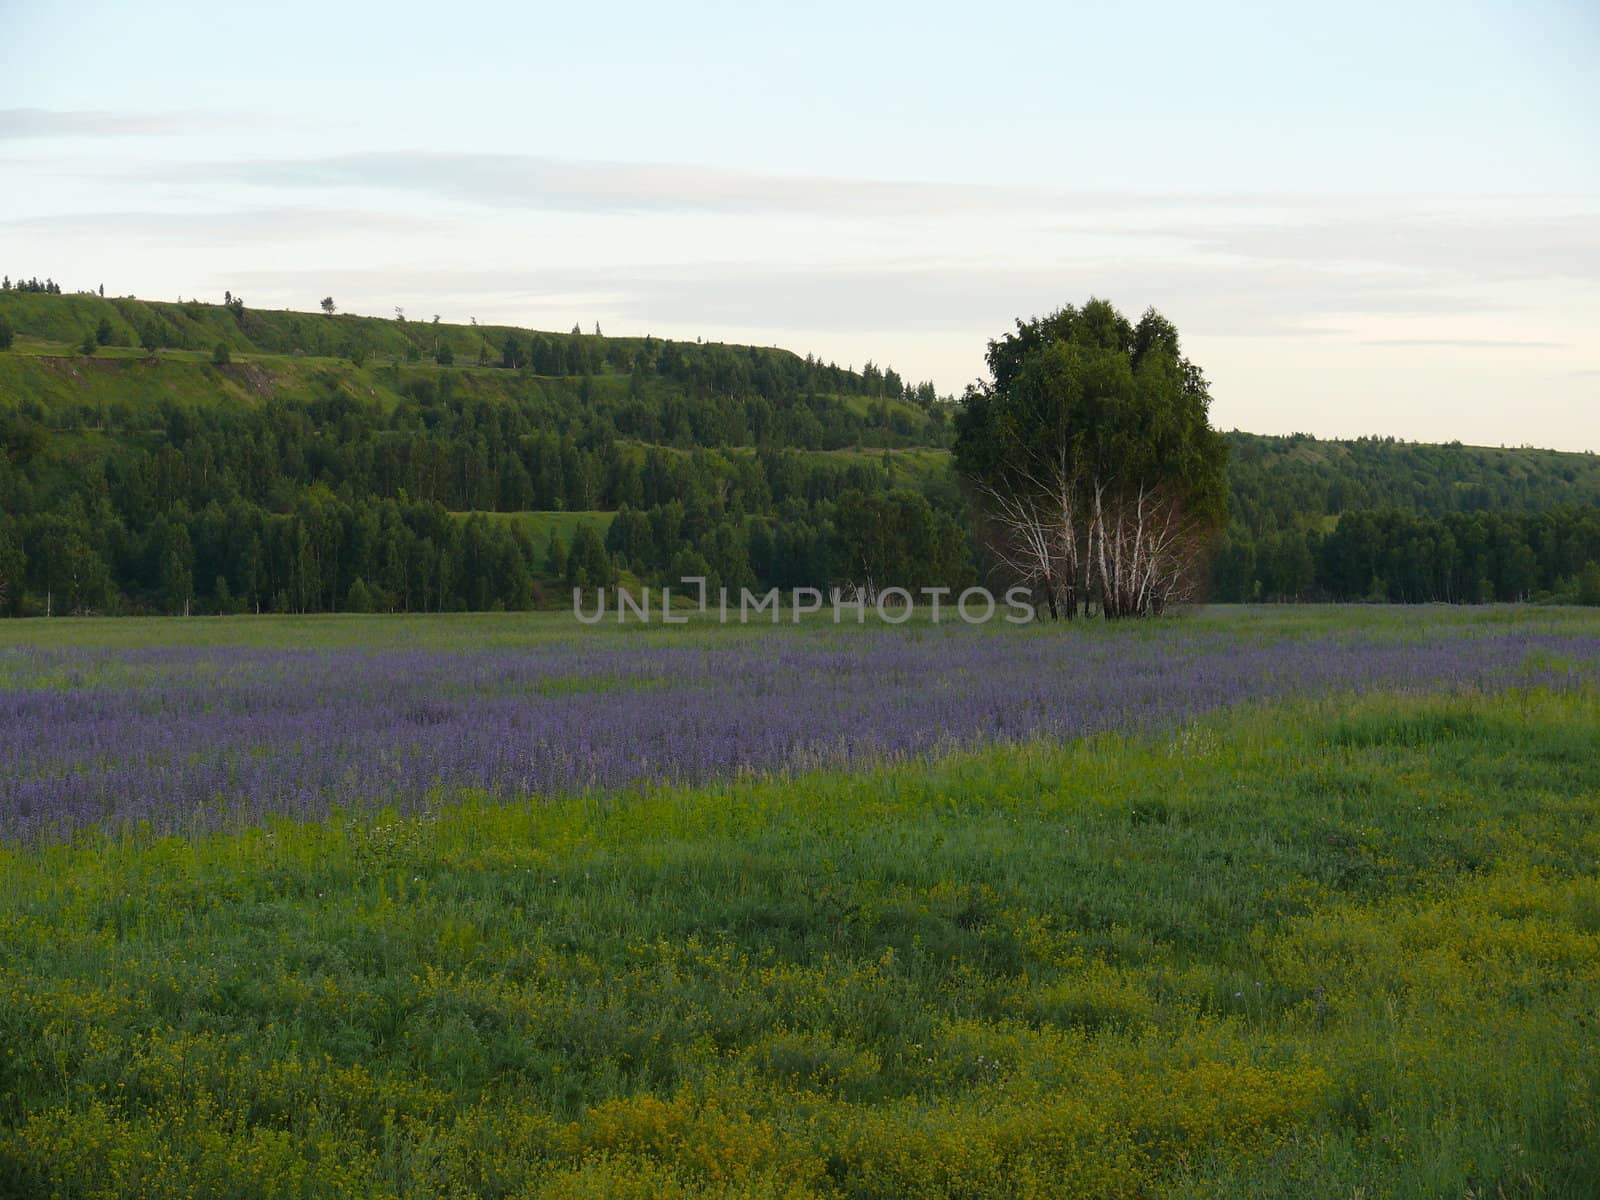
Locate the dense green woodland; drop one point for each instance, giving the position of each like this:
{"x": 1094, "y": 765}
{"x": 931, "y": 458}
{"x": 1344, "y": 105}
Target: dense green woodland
{"x": 170, "y": 457}
{"x": 1376, "y": 519}
{"x": 156, "y": 479}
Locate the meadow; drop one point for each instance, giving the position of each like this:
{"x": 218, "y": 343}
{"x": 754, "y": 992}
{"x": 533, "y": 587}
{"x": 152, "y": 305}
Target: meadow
{"x": 1266, "y": 902}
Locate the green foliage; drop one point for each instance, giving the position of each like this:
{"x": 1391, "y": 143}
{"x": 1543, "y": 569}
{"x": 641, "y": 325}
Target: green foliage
{"x": 513, "y": 355}
{"x": 555, "y": 556}
{"x": 13, "y": 568}
{"x": 22, "y": 439}
{"x": 1279, "y": 953}
{"x": 588, "y": 565}
{"x": 897, "y": 539}
{"x": 7, "y": 334}
{"x": 65, "y": 568}
{"x": 1396, "y": 557}
{"x": 220, "y": 356}
{"x": 293, "y": 477}
{"x": 756, "y": 447}
{"x": 1275, "y": 482}
{"x": 1091, "y": 447}
{"x": 1119, "y": 399}
{"x": 1589, "y": 584}
{"x": 688, "y": 394}
{"x": 1431, "y": 522}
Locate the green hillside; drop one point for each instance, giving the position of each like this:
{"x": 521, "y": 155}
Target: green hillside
{"x": 197, "y": 326}
{"x": 1379, "y": 519}
{"x": 1280, "y": 481}
{"x": 322, "y": 461}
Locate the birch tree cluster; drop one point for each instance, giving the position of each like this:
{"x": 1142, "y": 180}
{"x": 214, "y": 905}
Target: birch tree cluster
{"x": 1092, "y": 462}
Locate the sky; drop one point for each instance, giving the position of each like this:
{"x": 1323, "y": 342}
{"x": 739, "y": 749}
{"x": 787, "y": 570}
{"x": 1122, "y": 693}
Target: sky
{"x": 1369, "y": 218}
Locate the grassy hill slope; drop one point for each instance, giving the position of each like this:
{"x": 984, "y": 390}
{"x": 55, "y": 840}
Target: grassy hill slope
{"x": 743, "y": 463}
{"x": 1275, "y": 480}
{"x": 280, "y": 348}
{"x": 1283, "y": 481}
{"x": 195, "y": 325}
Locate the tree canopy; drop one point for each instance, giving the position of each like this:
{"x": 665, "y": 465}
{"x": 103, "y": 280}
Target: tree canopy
{"x": 1093, "y": 459}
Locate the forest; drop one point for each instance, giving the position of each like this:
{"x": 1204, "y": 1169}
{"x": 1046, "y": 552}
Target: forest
{"x": 189, "y": 457}
{"x": 1374, "y": 519}
{"x": 160, "y": 479}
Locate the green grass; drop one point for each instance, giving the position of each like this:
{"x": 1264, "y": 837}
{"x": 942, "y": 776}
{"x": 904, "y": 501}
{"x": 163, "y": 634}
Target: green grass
{"x": 1332, "y": 950}
{"x": 864, "y": 405}
{"x": 288, "y": 352}
{"x": 908, "y": 467}
{"x": 62, "y": 321}
{"x": 62, "y": 382}
{"x": 449, "y": 632}
{"x": 538, "y": 525}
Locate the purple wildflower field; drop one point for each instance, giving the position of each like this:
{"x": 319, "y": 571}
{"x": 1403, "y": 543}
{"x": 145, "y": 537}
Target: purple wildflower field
{"x": 195, "y": 737}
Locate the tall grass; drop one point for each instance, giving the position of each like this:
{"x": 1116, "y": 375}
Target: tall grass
{"x": 1330, "y": 949}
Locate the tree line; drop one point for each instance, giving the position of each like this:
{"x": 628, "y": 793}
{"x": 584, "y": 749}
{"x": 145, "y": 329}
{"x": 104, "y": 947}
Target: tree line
{"x": 1086, "y": 468}
{"x": 1405, "y": 558}
{"x": 32, "y": 285}
{"x": 337, "y": 504}
{"x": 1375, "y": 518}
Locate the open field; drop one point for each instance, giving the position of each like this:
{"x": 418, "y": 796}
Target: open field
{"x": 1284, "y": 903}
{"x": 210, "y": 734}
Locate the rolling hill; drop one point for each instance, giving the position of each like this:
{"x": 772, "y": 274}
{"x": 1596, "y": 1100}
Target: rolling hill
{"x": 227, "y": 457}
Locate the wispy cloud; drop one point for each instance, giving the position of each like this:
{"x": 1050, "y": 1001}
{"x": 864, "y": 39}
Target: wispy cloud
{"x": 1313, "y": 254}
{"x": 93, "y": 123}
{"x": 1347, "y": 246}
{"x": 1469, "y": 343}
{"x": 1531, "y": 246}
{"x": 288, "y": 223}
{"x": 533, "y": 182}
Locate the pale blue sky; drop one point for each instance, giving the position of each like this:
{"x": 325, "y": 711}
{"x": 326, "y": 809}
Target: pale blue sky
{"x": 1368, "y": 218}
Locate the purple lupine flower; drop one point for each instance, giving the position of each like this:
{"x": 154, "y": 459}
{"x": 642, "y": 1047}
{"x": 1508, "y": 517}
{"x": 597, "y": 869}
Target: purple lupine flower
{"x": 193, "y": 738}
